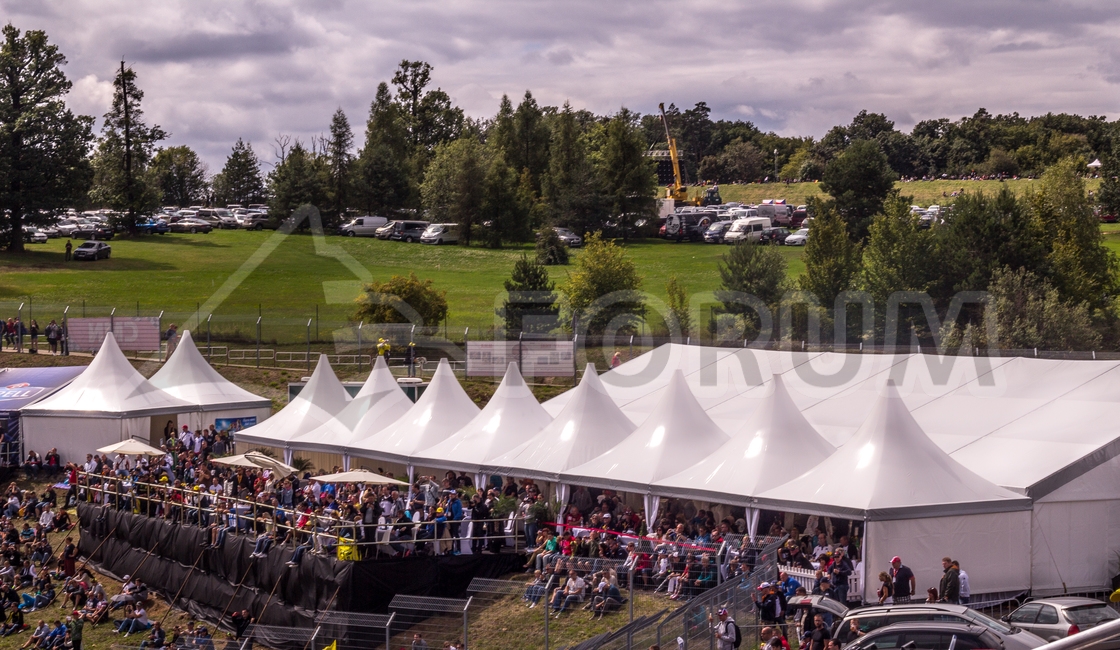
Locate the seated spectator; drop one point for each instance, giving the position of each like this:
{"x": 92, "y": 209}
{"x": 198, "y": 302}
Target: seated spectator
{"x": 136, "y": 620}
{"x": 14, "y": 623}
{"x": 571, "y": 595}
{"x": 264, "y": 542}
{"x": 157, "y": 638}
{"x": 38, "y": 636}
{"x": 535, "y": 589}
{"x": 33, "y": 463}
{"x": 608, "y": 599}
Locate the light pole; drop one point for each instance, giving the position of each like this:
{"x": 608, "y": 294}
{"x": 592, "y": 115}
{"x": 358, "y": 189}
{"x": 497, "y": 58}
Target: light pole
{"x": 775, "y": 165}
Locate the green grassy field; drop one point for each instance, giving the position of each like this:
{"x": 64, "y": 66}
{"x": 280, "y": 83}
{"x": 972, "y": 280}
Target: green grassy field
{"x": 177, "y": 272}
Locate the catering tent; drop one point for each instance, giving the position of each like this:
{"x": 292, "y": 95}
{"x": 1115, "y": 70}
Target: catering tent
{"x": 510, "y": 417}
{"x": 320, "y": 400}
{"x": 109, "y": 402}
{"x": 675, "y": 436}
{"x": 443, "y": 409}
{"x": 756, "y": 457}
{"x": 20, "y": 387}
{"x": 191, "y": 378}
{"x": 379, "y": 403}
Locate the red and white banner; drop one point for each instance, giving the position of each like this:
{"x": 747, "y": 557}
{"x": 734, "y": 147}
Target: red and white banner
{"x": 139, "y": 333}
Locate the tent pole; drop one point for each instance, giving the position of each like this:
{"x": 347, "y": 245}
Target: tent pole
{"x": 863, "y": 561}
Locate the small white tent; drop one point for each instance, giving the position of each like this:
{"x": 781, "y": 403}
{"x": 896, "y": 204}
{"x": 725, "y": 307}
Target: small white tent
{"x": 510, "y": 417}
{"x": 109, "y": 402}
{"x": 320, "y": 400}
{"x": 676, "y": 435}
{"x": 443, "y": 409}
{"x": 188, "y": 376}
{"x": 378, "y": 404}
{"x": 757, "y": 457}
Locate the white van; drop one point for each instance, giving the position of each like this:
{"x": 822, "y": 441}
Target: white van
{"x": 362, "y": 226}
{"x": 441, "y": 233}
{"x": 749, "y": 229}
{"x": 776, "y": 211}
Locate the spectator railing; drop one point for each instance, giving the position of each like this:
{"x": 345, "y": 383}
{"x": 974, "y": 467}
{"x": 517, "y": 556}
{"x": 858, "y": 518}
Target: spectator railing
{"x": 808, "y": 577}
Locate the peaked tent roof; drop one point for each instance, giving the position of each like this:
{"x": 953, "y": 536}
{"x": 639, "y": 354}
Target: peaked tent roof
{"x": 512, "y": 415}
{"x": 891, "y": 469}
{"x": 110, "y": 387}
{"x": 442, "y": 410}
{"x": 188, "y": 376}
{"x": 758, "y": 455}
{"x": 589, "y": 425}
{"x": 320, "y": 400}
{"x": 378, "y": 404}
{"x": 676, "y": 435}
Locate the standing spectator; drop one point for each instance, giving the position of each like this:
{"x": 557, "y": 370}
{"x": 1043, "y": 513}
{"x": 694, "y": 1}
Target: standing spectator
{"x": 950, "y": 587}
{"x": 410, "y": 358}
{"x": 172, "y": 339}
{"x": 726, "y": 631}
{"x": 904, "y": 581}
{"x": 816, "y": 638}
{"x": 886, "y": 588}
{"x": 841, "y": 570}
{"x": 966, "y": 590}
{"x": 69, "y": 250}
{"x": 54, "y": 335}
{"x": 34, "y": 336}
{"x": 616, "y": 359}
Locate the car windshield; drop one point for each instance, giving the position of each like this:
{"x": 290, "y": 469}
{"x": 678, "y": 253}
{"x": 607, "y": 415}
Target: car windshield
{"x": 433, "y": 230}
{"x": 738, "y": 227}
{"x": 803, "y": 231}
{"x": 986, "y": 621}
{"x": 222, "y": 212}
{"x": 716, "y": 227}
{"x": 1091, "y": 614}
{"x": 563, "y": 231}
{"x": 88, "y": 245}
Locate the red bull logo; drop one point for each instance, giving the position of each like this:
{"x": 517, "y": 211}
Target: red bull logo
{"x": 20, "y": 391}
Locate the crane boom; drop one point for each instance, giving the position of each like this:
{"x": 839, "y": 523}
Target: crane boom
{"x": 677, "y": 192}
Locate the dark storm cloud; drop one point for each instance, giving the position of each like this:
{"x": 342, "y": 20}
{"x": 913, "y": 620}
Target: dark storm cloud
{"x": 213, "y": 71}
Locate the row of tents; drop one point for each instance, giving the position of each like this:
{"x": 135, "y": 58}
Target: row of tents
{"x": 1009, "y": 465}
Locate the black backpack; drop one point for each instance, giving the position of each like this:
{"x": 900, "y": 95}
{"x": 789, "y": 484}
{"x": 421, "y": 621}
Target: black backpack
{"x": 738, "y": 635}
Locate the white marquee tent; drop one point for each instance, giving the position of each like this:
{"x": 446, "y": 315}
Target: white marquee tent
{"x": 320, "y": 400}
{"x": 443, "y": 409}
{"x": 510, "y": 417}
{"x": 109, "y": 402}
{"x": 379, "y": 403}
{"x": 191, "y": 378}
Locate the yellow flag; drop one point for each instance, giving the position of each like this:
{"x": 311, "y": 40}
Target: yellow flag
{"x": 332, "y": 646}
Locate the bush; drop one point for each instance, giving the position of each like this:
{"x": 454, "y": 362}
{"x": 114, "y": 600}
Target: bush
{"x": 403, "y": 300}
{"x": 550, "y": 250}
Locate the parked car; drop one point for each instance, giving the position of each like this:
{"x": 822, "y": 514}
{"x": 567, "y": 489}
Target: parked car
{"x": 749, "y": 229}
{"x": 798, "y": 217}
{"x": 217, "y": 217}
{"x": 153, "y": 227}
{"x": 1055, "y": 618}
{"x": 69, "y": 225}
{"x": 715, "y": 232}
{"x": 942, "y": 635}
{"x": 33, "y": 235}
{"x": 362, "y": 226}
{"x": 191, "y": 225}
{"x": 1105, "y": 216}
{"x": 94, "y": 231}
{"x": 774, "y": 236}
{"x": 92, "y": 250}
{"x": 51, "y": 231}
{"x": 384, "y": 231}
{"x": 257, "y": 221}
{"x": 408, "y": 231}
{"x": 799, "y": 238}
{"x": 569, "y": 238}
{"x": 441, "y": 233}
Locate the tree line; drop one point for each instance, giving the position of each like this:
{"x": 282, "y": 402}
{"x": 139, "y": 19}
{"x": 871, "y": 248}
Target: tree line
{"x": 501, "y": 178}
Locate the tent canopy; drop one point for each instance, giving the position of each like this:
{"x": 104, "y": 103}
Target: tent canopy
{"x": 443, "y": 409}
{"x": 109, "y": 387}
{"x": 891, "y": 470}
{"x": 675, "y": 436}
{"x": 189, "y": 377}
{"x": 588, "y": 425}
{"x": 130, "y": 447}
{"x": 320, "y": 400}
{"x": 358, "y": 476}
{"x": 512, "y": 415}
{"x": 758, "y": 455}
{"x": 378, "y": 404}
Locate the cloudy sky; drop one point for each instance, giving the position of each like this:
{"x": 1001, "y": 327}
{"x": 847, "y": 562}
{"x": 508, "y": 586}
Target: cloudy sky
{"x": 214, "y": 71}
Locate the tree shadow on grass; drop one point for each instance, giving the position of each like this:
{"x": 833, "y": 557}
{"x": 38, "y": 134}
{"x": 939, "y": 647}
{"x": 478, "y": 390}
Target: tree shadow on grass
{"x": 51, "y": 261}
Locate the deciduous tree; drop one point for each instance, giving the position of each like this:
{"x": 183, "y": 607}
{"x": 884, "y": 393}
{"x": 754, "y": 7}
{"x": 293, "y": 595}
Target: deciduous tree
{"x": 181, "y": 175}
{"x": 603, "y": 291}
{"x": 859, "y": 180}
{"x": 403, "y": 299}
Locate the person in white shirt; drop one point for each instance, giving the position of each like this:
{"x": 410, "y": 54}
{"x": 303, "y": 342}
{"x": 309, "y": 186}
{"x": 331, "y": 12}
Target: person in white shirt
{"x": 966, "y": 590}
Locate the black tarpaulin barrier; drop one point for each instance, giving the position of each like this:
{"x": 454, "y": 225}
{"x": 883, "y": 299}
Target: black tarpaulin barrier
{"x": 123, "y": 540}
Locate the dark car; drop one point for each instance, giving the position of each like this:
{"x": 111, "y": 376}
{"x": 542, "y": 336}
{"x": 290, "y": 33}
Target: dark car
{"x": 942, "y": 635}
{"x": 98, "y": 231}
{"x": 191, "y": 225}
{"x": 153, "y": 227}
{"x": 774, "y": 236}
{"x": 408, "y": 231}
{"x": 715, "y": 232}
{"x": 92, "y": 250}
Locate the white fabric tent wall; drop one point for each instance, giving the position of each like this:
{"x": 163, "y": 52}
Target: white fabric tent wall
{"x": 203, "y": 419}
{"x": 993, "y": 548}
{"x": 74, "y": 437}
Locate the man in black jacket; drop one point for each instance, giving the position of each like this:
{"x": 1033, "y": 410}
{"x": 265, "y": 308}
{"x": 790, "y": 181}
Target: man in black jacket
{"x": 950, "y": 587}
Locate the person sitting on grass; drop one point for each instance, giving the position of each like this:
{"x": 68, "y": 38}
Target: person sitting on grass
{"x": 38, "y": 636}
{"x": 14, "y": 623}
{"x": 157, "y": 638}
{"x": 56, "y": 636}
{"x": 135, "y": 621}
{"x": 95, "y": 610}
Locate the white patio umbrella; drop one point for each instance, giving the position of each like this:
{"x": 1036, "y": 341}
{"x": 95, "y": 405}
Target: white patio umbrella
{"x": 238, "y": 460}
{"x": 358, "y": 476}
{"x": 131, "y": 446}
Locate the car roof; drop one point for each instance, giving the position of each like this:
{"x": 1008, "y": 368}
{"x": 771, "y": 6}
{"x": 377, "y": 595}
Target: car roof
{"x": 1068, "y": 601}
{"x": 910, "y": 607}
{"x": 937, "y": 626}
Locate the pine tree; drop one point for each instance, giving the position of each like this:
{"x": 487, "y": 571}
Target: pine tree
{"x": 677, "y": 301}
{"x": 381, "y": 176}
{"x": 831, "y": 259}
{"x": 43, "y": 145}
{"x": 571, "y": 190}
{"x": 860, "y": 179}
{"x": 339, "y": 159}
{"x": 628, "y": 175}
{"x": 530, "y": 306}
{"x": 121, "y": 179}
{"x": 240, "y": 179}
{"x": 302, "y": 179}
{"x": 751, "y": 271}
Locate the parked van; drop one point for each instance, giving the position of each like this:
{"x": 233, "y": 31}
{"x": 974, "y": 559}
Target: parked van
{"x": 776, "y": 211}
{"x": 408, "y": 231}
{"x": 695, "y": 223}
{"x": 362, "y": 226}
{"x": 441, "y": 233}
{"x": 749, "y": 229}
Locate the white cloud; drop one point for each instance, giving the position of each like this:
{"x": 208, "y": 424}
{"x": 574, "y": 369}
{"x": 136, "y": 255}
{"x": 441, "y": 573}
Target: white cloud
{"x": 214, "y": 71}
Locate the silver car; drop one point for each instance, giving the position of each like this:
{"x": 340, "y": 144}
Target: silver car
{"x": 1055, "y": 618}
{"x": 942, "y": 635}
